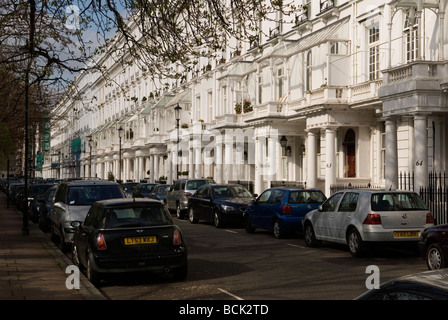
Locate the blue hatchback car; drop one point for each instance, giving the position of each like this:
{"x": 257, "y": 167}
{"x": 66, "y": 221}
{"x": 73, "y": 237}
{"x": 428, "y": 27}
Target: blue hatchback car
{"x": 282, "y": 210}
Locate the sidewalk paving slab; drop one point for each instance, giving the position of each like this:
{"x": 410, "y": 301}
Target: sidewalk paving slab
{"x": 31, "y": 266}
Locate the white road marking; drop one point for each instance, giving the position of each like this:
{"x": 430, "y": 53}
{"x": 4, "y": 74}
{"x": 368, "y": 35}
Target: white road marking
{"x": 230, "y": 294}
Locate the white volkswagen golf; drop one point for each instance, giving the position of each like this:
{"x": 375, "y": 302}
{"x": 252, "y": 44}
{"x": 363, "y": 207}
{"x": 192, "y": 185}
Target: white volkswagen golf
{"x": 360, "y": 217}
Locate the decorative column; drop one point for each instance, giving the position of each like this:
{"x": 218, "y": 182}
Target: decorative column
{"x": 330, "y": 159}
{"x": 391, "y": 170}
{"x": 218, "y": 159}
{"x": 311, "y": 156}
{"x": 151, "y": 168}
{"x": 156, "y": 167}
{"x": 420, "y": 152}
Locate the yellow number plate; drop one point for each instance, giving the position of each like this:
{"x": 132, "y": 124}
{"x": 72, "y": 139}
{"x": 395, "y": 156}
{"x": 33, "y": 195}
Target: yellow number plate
{"x": 406, "y": 234}
{"x": 139, "y": 240}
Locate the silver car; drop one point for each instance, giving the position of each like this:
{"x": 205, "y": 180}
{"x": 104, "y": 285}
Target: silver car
{"x": 177, "y": 197}
{"x": 360, "y": 217}
{"x": 72, "y": 201}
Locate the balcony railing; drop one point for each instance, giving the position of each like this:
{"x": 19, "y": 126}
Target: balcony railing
{"x": 326, "y": 5}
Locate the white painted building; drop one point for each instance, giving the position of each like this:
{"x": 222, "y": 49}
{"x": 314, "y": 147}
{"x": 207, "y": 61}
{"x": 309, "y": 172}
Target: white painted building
{"x": 356, "y": 90}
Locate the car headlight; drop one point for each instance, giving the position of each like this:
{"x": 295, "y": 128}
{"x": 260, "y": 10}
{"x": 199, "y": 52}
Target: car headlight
{"x": 227, "y": 208}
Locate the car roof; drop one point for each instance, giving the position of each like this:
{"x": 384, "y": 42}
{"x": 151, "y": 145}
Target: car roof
{"x": 90, "y": 182}
{"x": 128, "y": 201}
{"x": 435, "y": 278}
{"x": 366, "y": 190}
{"x": 286, "y": 188}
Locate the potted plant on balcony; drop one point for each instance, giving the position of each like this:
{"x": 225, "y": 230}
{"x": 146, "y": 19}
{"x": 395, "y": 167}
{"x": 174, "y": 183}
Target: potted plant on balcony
{"x": 247, "y": 106}
{"x": 238, "y": 108}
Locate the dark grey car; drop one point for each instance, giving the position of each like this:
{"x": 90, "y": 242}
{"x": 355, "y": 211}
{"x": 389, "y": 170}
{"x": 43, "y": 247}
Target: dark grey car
{"x": 177, "y": 197}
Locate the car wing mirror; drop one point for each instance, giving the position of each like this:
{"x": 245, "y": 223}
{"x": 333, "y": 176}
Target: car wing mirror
{"x": 319, "y": 208}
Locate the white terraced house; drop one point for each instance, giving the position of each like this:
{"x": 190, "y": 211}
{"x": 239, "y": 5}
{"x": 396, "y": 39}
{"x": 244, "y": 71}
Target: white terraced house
{"x": 350, "y": 92}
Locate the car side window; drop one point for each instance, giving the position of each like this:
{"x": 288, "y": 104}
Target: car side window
{"x": 264, "y": 197}
{"x": 200, "y": 193}
{"x": 331, "y": 203}
{"x": 349, "y": 202}
{"x": 176, "y": 186}
{"x": 276, "y": 196}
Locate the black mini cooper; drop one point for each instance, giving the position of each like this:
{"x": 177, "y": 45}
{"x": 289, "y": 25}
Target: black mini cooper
{"x": 123, "y": 235}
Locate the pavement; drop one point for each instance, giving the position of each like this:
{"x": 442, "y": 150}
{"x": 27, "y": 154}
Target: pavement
{"x": 32, "y": 267}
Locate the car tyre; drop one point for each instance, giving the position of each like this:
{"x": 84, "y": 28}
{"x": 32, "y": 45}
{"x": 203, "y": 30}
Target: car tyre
{"x": 310, "y": 236}
{"x": 192, "y": 216}
{"x": 180, "y": 274}
{"x": 92, "y": 275}
{"x": 248, "y": 225}
{"x": 217, "y": 219}
{"x": 179, "y": 213}
{"x": 355, "y": 243}
{"x": 277, "y": 229}
{"x": 75, "y": 256}
{"x": 434, "y": 257}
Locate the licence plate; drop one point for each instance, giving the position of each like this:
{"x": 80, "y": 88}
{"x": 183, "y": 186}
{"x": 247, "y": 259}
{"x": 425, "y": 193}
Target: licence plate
{"x": 406, "y": 234}
{"x": 139, "y": 240}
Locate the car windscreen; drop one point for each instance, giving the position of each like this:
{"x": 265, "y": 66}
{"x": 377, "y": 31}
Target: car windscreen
{"x": 87, "y": 195}
{"x": 231, "y": 192}
{"x": 139, "y": 216}
{"x": 396, "y": 202}
{"x": 306, "y": 197}
{"x": 194, "y": 184}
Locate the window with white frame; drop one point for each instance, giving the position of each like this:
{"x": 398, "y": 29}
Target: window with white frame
{"x": 280, "y": 83}
{"x": 411, "y": 37}
{"x": 309, "y": 66}
{"x": 374, "y": 55}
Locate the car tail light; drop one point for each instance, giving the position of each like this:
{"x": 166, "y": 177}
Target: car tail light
{"x": 372, "y": 218}
{"x": 187, "y": 194}
{"x": 101, "y": 242}
{"x": 286, "y": 209}
{"x": 177, "y": 239}
{"x": 429, "y": 218}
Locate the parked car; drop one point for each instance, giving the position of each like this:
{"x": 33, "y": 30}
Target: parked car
{"x": 434, "y": 246}
{"x": 143, "y": 190}
{"x": 35, "y": 196}
{"x": 72, "y": 201}
{"x": 44, "y": 209}
{"x": 159, "y": 192}
{"x": 220, "y": 204}
{"x": 128, "y": 188}
{"x": 177, "y": 197}
{"x": 282, "y": 210}
{"x": 362, "y": 217}
{"x": 127, "y": 235}
{"x": 428, "y": 285}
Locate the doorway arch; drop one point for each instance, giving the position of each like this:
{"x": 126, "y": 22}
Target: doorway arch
{"x": 350, "y": 154}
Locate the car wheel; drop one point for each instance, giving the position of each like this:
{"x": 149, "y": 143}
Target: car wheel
{"x": 278, "y": 233}
{"x": 64, "y": 246}
{"x": 355, "y": 243}
{"x": 53, "y": 236}
{"x": 248, "y": 225}
{"x": 179, "y": 213}
{"x": 75, "y": 255}
{"x": 191, "y": 216}
{"x": 434, "y": 257}
{"x": 180, "y": 273}
{"x": 92, "y": 275}
{"x": 310, "y": 236}
{"x": 217, "y": 219}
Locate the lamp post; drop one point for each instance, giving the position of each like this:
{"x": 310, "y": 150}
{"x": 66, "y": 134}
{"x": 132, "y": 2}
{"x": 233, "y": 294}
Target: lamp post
{"x": 120, "y": 133}
{"x": 90, "y": 156}
{"x": 177, "y": 110}
{"x": 283, "y": 143}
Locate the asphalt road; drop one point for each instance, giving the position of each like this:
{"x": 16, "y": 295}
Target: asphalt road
{"x": 229, "y": 264}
